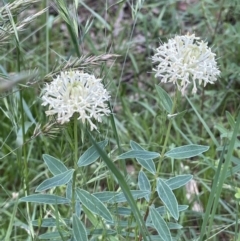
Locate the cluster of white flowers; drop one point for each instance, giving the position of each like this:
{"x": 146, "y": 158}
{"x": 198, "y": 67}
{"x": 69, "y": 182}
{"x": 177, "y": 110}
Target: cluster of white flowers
{"x": 184, "y": 60}
{"x": 76, "y": 92}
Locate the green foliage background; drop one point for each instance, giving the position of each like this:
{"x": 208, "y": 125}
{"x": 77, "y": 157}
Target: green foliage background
{"x": 129, "y": 31}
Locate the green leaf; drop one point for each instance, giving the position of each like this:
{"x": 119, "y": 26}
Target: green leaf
{"x": 78, "y": 208}
{"x": 162, "y": 210}
{"x": 55, "y": 181}
{"x": 79, "y": 230}
{"x": 144, "y": 184}
{"x": 45, "y": 199}
{"x": 135, "y": 146}
{"x": 69, "y": 190}
{"x": 164, "y": 99}
{"x": 54, "y": 165}
{"x": 53, "y": 235}
{"x": 119, "y": 197}
{"x": 178, "y": 181}
{"x": 91, "y": 155}
{"x": 174, "y": 226}
{"x": 157, "y": 238}
{"x": 231, "y": 120}
{"x": 169, "y": 224}
{"x": 63, "y": 11}
{"x": 136, "y": 194}
{"x": 93, "y": 204}
{"x": 100, "y": 231}
{"x": 168, "y": 198}
{"x": 139, "y": 154}
{"x": 160, "y": 225}
{"x": 51, "y": 222}
{"x": 187, "y": 151}
{"x": 147, "y": 164}
{"x": 122, "y": 211}
{"x": 105, "y": 196}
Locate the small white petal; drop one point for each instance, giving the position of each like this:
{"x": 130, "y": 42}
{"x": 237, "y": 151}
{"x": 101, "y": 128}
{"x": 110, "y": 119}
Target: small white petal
{"x": 184, "y": 60}
{"x": 76, "y": 92}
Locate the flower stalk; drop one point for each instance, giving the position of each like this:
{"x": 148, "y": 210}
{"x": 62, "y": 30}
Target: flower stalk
{"x": 75, "y": 133}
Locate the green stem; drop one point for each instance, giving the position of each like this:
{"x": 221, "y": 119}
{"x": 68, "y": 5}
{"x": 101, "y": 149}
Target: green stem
{"x": 162, "y": 156}
{"x": 167, "y": 135}
{"x": 122, "y": 163}
{"x": 47, "y": 39}
{"x": 75, "y": 162}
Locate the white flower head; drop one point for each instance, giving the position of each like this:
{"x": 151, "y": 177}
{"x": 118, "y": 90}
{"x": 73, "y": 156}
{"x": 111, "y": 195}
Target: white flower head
{"x": 76, "y": 92}
{"x": 184, "y": 60}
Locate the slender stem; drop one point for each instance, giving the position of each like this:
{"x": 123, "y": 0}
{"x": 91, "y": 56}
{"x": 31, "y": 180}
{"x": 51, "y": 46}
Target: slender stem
{"x": 47, "y": 39}
{"x": 75, "y": 133}
{"x": 122, "y": 163}
{"x": 167, "y": 135}
{"x": 161, "y": 159}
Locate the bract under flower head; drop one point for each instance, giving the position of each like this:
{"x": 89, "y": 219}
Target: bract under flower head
{"x": 184, "y": 60}
{"x": 76, "y": 92}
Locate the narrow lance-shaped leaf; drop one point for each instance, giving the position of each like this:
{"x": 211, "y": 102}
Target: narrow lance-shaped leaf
{"x": 164, "y": 99}
{"x": 187, "y": 151}
{"x": 160, "y": 225}
{"x": 162, "y": 210}
{"x": 93, "y": 204}
{"x": 139, "y": 154}
{"x": 178, "y": 181}
{"x": 147, "y": 164}
{"x": 91, "y": 155}
{"x": 168, "y": 198}
{"x": 79, "y": 230}
{"x": 144, "y": 184}
{"x": 45, "y": 199}
{"x": 69, "y": 190}
{"x": 137, "y": 194}
{"x": 78, "y": 208}
{"x": 105, "y": 196}
{"x": 117, "y": 197}
{"x": 53, "y": 235}
{"x": 135, "y": 146}
{"x": 54, "y": 165}
{"x": 55, "y": 181}
{"x": 51, "y": 222}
